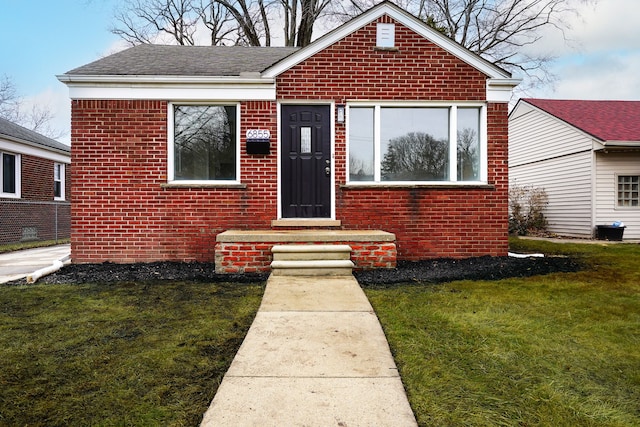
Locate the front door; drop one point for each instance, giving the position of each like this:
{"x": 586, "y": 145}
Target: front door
{"x": 306, "y": 161}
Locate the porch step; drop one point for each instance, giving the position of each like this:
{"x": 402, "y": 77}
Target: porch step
{"x": 311, "y": 260}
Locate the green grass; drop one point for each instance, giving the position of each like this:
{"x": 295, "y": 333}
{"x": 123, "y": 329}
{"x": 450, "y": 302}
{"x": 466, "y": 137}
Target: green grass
{"x": 10, "y": 247}
{"x": 127, "y": 354}
{"x": 555, "y": 350}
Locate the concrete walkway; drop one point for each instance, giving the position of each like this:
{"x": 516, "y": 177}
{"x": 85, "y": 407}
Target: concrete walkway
{"x": 315, "y": 355}
{"x": 17, "y": 265}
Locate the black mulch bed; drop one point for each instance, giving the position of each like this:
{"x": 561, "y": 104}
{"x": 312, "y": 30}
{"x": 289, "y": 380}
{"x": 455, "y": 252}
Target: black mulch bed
{"x": 480, "y": 268}
{"x": 430, "y": 271}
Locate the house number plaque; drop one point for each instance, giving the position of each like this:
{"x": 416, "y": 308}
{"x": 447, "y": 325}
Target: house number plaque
{"x": 260, "y": 134}
{"x": 258, "y": 141}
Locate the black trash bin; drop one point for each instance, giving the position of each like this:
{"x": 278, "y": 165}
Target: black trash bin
{"x": 609, "y": 232}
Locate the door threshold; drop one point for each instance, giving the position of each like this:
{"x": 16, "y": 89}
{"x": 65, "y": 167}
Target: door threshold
{"x": 306, "y": 222}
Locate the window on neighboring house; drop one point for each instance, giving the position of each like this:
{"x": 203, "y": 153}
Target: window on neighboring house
{"x": 204, "y": 145}
{"x": 628, "y": 190}
{"x": 58, "y": 181}
{"x": 10, "y": 175}
{"x": 399, "y": 144}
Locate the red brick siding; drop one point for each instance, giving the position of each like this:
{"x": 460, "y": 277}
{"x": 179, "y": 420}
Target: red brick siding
{"x": 123, "y": 211}
{"x": 352, "y": 69}
{"x": 36, "y": 208}
{"x": 428, "y": 222}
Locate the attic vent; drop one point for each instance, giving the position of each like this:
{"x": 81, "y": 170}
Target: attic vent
{"x": 386, "y": 34}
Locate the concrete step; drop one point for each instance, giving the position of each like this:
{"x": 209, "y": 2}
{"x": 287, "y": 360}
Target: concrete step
{"x": 311, "y": 260}
{"x": 312, "y": 268}
{"x": 311, "y": 252}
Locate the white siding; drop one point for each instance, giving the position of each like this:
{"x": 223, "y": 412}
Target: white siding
{"x": 567, "y": 182}
{"x": 535, "y": 136}
{"x": 608, "y": 167}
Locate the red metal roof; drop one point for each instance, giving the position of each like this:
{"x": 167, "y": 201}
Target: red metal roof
{"x": 606, "y": 120}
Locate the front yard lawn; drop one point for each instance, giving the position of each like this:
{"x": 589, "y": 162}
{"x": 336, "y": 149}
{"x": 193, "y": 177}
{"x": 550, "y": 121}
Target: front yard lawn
{"x": 555, "y": 350}
{"x": 558, "y": 349}
{"x": 118, "y": 354}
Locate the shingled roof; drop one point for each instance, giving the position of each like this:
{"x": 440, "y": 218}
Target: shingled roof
{"x": 163, "y": 60}
{"x": 605, "y": 120}
{"x": 14, "y": 132}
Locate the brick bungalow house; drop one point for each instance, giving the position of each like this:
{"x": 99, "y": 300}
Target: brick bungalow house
{"x": 34, "y": 186}
{"x": 383, "y": 134}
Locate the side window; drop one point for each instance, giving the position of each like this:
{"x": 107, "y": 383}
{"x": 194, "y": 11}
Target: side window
{"x": 628, "y": 191}
{"x": 58, "y": 181}
{"x": 10, "y": 175}
{"x": 205, "y": 143}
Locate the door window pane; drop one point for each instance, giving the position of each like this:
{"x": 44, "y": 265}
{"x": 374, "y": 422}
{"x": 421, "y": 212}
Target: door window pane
{"x": 205, "y": 142}
{"x": 305, "y": 140}
{"x": 468, "y": 135}
{"x": 414, "y": 144}
{"x": 361, "y": 144}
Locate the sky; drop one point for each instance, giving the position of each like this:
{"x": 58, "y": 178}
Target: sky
{"x": 44, "y": 38}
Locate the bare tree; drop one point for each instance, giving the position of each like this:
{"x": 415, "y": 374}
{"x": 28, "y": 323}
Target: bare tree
{"x": 38, "y": 118}
{"x": 9, "y": 100}
{"x": 251, "y": 18}
{"x": 217, "y": 19}
{"x": 241, "y": 22}
{"x": 141, "y": 21}
{"x": 498, "y": 30}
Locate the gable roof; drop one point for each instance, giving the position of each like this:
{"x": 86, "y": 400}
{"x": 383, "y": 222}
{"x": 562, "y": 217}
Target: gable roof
{"x": 605, "y": 120}
{"x": 236, "y": 72}
{"x": 405, "y": 18}
{"x": 17, "y": 133}
{"x": 164, "y": 60}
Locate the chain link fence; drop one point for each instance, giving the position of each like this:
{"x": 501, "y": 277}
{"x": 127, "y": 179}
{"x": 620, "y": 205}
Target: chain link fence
{"x": 27, "y": 221}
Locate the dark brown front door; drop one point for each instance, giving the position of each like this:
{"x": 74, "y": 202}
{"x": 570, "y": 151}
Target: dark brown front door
{"x": 306, "y": 161}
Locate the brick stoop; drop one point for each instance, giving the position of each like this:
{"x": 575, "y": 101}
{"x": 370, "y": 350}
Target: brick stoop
{"x": 250, "y": 251}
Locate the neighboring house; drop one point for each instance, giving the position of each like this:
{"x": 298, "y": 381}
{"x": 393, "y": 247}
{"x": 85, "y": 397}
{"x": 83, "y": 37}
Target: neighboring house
{"x": 585, "y": 155}
{"x": 34, "y": 184}
{"x": 382, "y": 124}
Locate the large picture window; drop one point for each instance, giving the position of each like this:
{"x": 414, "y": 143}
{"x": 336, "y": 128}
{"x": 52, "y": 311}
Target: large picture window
{"x": 10, "y": 175}
{"x": 397, "y": 144}
{"x": 205, "y": 143}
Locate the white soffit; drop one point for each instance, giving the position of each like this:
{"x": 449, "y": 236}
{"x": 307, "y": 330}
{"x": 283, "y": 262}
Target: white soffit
{"x": 169, "y": 87}
{"x": 33, "y": 150}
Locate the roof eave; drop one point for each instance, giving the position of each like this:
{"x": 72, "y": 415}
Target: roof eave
{"x": 613, "y": 143}
{"x": 35, "y": 144}
{"x": 87, "y": 79}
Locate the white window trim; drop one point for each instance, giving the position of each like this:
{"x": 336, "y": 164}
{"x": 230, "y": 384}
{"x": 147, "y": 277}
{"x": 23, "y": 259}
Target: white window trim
{"x": 62, "y": 181}
{"x": 18, "y": 166}
{"x": 453, "y": 159}
{"x": 170, "y": 148}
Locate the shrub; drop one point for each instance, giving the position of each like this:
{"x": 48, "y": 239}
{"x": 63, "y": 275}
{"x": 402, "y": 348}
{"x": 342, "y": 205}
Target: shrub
{"x": 526, "y": 206}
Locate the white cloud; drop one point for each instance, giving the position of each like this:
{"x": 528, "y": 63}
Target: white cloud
{"x": 603, "y": 76}
{"x": 601, "y": 57}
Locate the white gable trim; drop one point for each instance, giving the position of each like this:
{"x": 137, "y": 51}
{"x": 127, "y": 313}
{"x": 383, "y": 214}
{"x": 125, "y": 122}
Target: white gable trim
{"x": 404, "y": 18}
